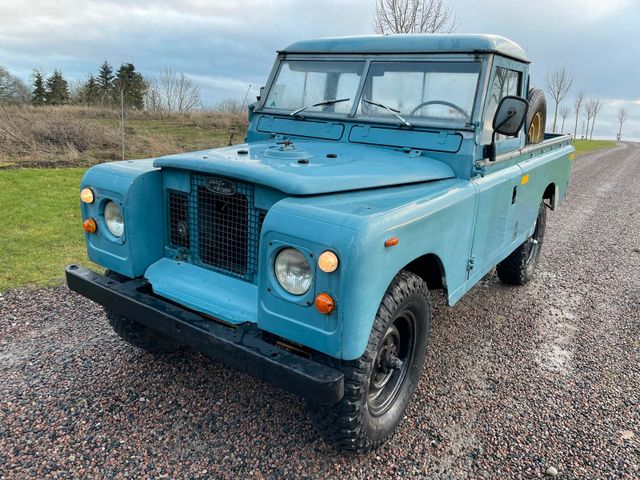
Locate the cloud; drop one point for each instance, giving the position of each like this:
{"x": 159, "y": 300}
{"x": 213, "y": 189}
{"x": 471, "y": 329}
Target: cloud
{"x": 225, "y": 45}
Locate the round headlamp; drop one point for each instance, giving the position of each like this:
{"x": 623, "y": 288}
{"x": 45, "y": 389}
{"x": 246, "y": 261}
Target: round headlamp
{"x": 113, "y": 219}
{"x": 293, "y": 271}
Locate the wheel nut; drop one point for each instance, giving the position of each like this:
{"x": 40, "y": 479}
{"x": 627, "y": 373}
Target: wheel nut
{"x": 395, "y": 362}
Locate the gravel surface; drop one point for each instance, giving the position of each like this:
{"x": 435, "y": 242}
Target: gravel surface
{"x": 535, "y": 381}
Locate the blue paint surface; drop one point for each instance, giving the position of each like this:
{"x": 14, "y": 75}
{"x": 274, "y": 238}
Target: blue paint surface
{"x": 276, "y": 165}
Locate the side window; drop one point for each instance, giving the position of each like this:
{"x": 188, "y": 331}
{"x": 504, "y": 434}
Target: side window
{"x": 505, "y": 82}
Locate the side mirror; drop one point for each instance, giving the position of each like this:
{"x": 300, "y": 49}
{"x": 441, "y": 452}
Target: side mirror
{"x": 510, "y": 116}
{"x": 508, "y": 120}
{"x": 260, "y": 94}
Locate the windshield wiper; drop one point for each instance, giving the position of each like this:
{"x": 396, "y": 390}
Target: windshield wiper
{"x": 394, "y": 112}
{"x": 319, "y": 104}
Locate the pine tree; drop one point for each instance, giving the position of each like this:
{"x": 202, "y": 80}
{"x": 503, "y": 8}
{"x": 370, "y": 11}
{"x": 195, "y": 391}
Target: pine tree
{"x": 132, "y": 84}
{"x": 39, "y": 94}
{"x": 89, "y": 92}
{"x": 57, "y": 89}
{"x": 105, "y": 83}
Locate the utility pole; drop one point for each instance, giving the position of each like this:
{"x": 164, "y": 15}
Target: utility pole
{"x": 245, "y": 98}
{"x": 122, "y": 119}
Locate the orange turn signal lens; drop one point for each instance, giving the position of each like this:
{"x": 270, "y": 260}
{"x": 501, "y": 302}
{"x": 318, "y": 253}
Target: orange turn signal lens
{"x": 325, "y": 304}
{"x": 86, "y": 195}
{"x": 391, "y": 242}
{"x": 90, "y": 225}
{"x": 328, "y": 261}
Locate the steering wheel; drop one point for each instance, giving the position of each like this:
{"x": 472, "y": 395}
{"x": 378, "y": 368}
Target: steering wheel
{"x": 440, "y": 102}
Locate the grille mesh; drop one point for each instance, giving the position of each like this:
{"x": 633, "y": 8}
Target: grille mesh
{"x": 178, "y": 209}
{"x": 223, "y": 230}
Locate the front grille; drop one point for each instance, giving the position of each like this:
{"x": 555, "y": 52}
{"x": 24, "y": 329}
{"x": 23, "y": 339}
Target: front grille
{"x": 223, "y": 231}
{"x": 178, "y": 208}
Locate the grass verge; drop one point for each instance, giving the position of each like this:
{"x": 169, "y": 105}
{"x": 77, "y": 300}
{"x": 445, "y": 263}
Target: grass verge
{"x": 584, "y": 146}
{"x": 40, "y": 226}
{"x": 72, "y": 136}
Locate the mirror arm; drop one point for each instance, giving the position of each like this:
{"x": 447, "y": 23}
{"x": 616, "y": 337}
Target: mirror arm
{"x": 490, "y": 150}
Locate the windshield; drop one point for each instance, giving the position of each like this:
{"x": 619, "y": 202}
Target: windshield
{"x": 406, "y": 92}
{"x": 421, "y": 92}
{"x": 303, "y": 83}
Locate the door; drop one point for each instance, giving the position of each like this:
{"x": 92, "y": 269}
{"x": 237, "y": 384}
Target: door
{"x": 496, "y": 223}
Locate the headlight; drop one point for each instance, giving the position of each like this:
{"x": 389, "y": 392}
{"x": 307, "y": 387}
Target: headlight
{"x": 293, "y": 271}
{"x": 113, "y": 219}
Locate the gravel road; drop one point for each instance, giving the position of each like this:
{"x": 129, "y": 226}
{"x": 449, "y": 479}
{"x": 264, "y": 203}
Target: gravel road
{"x": 521, "y": 382}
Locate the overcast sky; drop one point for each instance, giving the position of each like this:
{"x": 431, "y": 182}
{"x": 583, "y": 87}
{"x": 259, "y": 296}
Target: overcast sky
{"x": 225, "y": 45}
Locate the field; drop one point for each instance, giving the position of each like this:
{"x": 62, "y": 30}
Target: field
{"x": 584, "y": 146}
{"x": 40, "y": 224}
{"x": 82, "y": 136}
{"x": 39, "y": 207}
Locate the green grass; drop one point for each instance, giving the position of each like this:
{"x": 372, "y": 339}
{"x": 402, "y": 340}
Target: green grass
{"x": 183, "y": 133}
{"x": 40, "y": 226}
{"x": 584, "y": 146}
{"x": 188, "y": 135}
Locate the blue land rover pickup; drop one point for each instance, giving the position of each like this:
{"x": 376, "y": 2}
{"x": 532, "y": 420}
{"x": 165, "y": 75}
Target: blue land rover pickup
{"x": 375, "y": 170}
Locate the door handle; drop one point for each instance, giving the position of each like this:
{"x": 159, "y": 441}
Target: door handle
{"x": 514, "y": 194}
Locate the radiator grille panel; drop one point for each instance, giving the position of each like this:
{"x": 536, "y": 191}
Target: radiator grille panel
{"x": 178, "y": 208}
{"x": 223, "y": 231}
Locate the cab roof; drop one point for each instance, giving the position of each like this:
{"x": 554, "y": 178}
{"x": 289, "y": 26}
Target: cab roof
{"x": 412, "y": 43}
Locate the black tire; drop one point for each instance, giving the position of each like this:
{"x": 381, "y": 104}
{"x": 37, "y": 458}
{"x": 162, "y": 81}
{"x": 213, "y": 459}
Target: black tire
{"x": 377, "y": 389}
{"x": 536, "y": 116}
{"x": 136, "y": 334}
{"x": 518, "y": 268}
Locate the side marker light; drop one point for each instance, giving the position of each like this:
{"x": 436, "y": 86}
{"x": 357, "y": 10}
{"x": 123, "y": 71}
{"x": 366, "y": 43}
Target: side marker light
{"x": 391, "y": 242}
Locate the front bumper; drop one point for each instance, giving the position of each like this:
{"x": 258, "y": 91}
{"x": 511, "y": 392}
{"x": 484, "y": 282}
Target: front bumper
{"x": 240, "y": 347}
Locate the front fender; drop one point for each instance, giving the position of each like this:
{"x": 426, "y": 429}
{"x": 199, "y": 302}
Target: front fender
{"x": 428, "y": 218}
{"x": 137, "y": 187}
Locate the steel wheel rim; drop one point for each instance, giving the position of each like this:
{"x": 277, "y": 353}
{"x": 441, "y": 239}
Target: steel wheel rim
{"x": 535, "y": 129}
{"x": 386, "y": 381}
{"x": 534, "y": 246}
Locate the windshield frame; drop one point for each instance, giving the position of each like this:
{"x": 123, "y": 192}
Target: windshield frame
{"x": 352, "y": 116}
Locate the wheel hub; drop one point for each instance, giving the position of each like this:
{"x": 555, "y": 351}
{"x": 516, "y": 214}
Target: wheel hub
{"x": 391, "y": 364}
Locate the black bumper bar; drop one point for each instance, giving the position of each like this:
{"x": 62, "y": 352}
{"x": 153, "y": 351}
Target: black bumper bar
{"x": 241, "y": 347}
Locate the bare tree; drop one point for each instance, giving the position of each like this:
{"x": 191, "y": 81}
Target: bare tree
{"x": 623, "y": 114}
{"x": 229, "y": 105}
{"x": 577, "y": 106}
{"x": 172, "y": 92}
{"x": 414, "y": 16}
{"x": 12, "y": 89}
{"x": 589, "y": 107}
{"x": 558, "y": 84}
{"x": 564, "y": 113}
{"x": 597, "y": 104}
{"x": 153, "y": 100}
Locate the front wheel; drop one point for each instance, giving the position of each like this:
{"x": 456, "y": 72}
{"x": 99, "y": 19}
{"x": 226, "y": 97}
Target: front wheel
{"x": 518, "y": 268}
{"x": 136, "y": 334}
{"x": 380, "y": 384}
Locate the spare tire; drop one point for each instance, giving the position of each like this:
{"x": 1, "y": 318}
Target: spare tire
{"x": 536, "y": 116}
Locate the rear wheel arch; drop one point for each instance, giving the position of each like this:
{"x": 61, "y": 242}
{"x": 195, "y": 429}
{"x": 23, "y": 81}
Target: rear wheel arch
{"x": 551, "y": 195}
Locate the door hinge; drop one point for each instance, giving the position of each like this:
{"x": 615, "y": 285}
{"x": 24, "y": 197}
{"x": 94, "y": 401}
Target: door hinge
{"x": 470, "y": 263}
{"x": 479, "y": 169}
